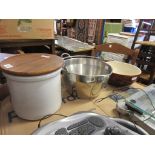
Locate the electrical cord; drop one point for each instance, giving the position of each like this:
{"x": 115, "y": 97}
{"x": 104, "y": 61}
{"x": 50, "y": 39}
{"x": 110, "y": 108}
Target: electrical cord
{"x": 119, "y": 116}
{"x": 150, "y": 102}
{"x": 148, "y": 118}
{"x": 47, "y": 116}
{"x": 129, "y": 112}
{"x": 127, "y": 88}
{"x": 115, "y": 92}
{"x": 147, "y": 96}
{"x": 101, "y": 99}
{"x": 124, "y": 88}
{"x": 134, "y": 123}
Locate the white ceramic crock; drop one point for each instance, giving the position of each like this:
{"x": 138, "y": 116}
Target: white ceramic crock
{"x": 36, "y": 96}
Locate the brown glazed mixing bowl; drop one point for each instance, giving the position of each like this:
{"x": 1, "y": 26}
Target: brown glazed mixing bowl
{"x": 123, "y": 73}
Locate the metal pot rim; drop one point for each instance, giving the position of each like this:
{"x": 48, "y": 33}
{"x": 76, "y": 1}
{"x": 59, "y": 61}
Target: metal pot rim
{"x": 88, "y": 75}
{"x": 81, "y": 56}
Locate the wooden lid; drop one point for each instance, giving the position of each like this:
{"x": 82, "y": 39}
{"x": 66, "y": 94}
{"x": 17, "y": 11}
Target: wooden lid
{"x": 32, "y": 64}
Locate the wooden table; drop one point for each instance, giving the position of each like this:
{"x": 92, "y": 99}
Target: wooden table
{"x": 146, "y": 43}
{"x": 18, "y": 43}
{"x": 73, "y": 46}
{"x": 16, "y": 125}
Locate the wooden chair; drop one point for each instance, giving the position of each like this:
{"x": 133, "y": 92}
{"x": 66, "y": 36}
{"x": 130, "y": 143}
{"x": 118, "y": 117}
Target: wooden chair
{"x": 119, "y": 49}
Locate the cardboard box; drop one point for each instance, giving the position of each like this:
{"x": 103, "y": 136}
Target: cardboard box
{"x": 26, "y": 28}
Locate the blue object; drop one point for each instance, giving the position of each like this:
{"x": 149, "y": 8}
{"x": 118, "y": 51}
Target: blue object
{"x": 130, "y": 29}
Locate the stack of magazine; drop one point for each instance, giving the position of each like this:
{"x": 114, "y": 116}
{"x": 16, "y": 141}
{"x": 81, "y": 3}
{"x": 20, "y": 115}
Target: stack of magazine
{"x": 143, "y": 101}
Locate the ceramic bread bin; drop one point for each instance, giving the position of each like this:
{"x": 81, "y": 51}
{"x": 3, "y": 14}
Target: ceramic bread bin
{"x": 34, "y": 82}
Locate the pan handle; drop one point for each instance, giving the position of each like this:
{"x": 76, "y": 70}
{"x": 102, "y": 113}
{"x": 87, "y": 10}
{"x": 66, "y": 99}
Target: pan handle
{"x": 65, "y": 55}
